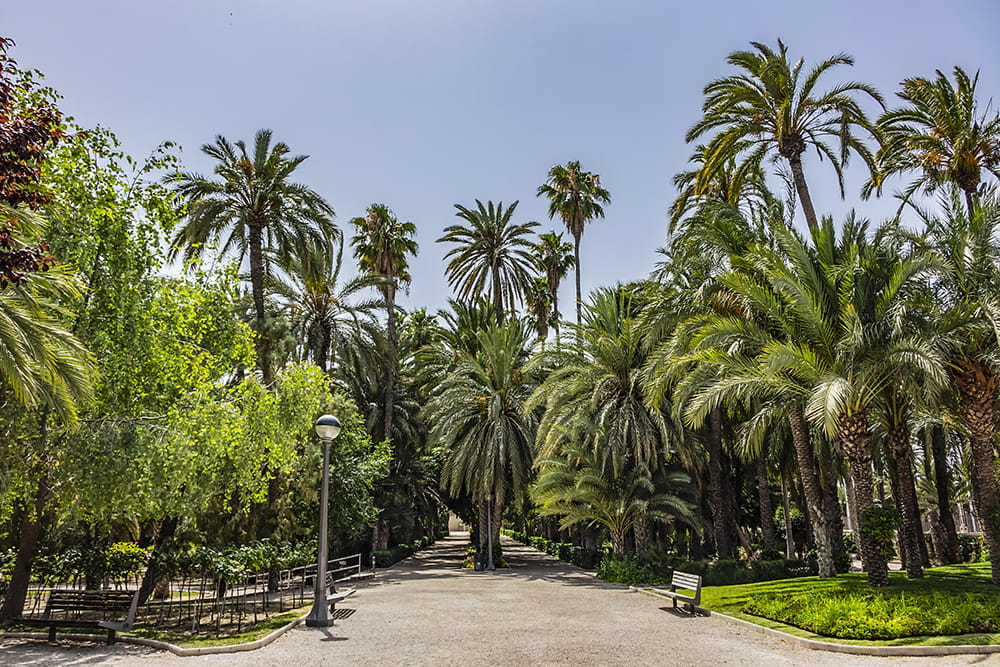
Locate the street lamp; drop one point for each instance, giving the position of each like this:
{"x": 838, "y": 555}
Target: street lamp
{"x": 327, "y": 428}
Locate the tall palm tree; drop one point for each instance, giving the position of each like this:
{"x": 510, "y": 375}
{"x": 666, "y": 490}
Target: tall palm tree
{"x": 770, "y": 107}
{"x": 967, "y": 247}
{"x": 576, "y": 196}
{"x": 738, "y": 186}
{"x": 939, "y": 135}
{"x": 250, "y": 206}
{"x": 490, "y": 250}
{"x": 327, "y": 315}
{"x": 382, "y": 245}
{"x": 554, "y": 258}
{"x": 478, "y": 417}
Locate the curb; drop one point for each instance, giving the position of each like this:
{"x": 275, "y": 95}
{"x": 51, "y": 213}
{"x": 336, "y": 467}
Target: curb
{"x": 853, "y": 649}
{"x": 176, "y": 650}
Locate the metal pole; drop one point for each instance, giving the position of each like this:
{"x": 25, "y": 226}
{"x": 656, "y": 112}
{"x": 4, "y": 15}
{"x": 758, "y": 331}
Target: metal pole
{"x": 319, "y": 615}
{"x": 489, "y": 529}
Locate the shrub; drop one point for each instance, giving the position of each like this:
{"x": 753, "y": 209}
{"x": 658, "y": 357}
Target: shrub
{"x": 880, "y": 614}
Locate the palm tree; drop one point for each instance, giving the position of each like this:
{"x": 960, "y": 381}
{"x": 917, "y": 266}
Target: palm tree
{"x": 771, "y": 108}
{"x": 967, "y": 247}
{"x": 540, "y": 310}
{"x": 736, "y": 186}
{"x": 325, "y": 313}
{"x": 576, "y": 197}
{"x": 490, "y": 250}
{"x": 939, "y": 135}
{"x": 251, "y": 206}
{"x": 478, "y": 418}
{"x": 554, "y": 258}
{"x": 574, "y": 485}
{"x": 381, "y": 245}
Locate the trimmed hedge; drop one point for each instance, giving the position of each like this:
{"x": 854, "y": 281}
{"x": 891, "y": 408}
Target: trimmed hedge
{"x": 635, "y": 571}
{"x": 387, "y": 557}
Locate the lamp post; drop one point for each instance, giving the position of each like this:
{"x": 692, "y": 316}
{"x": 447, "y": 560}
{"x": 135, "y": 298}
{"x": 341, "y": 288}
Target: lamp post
{"x": 327, "y": 428}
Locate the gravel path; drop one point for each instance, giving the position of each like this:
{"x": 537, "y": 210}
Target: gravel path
{"x": 429, "y": 611}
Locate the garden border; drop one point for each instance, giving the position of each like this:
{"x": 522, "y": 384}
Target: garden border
{"x": 854, "y": 649}
{"x": 173, "y": 648}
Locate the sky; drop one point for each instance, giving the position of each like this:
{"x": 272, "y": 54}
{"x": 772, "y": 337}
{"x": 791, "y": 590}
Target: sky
{"x": 422, "y": 105}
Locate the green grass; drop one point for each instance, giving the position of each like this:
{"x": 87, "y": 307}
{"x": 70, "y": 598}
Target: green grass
{"x": 957, "y": 580}
{"x": 253, "y": 634}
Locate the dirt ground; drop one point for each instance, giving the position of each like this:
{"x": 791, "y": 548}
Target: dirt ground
{"x": 427, "y": 610}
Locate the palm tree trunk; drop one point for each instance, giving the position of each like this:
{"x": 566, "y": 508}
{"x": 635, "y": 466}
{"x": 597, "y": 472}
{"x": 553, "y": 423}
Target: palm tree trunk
{"x": 555, "y": 310}
{"x": 813, "y": 494}
{"x": 948, "y": 543}
{"x": 802, "y": 189}
{"x": 911, "y": 532}
{"x": 723, "y": 524}
{"x": 576, "y": 271}
{"x": 390, "y": 365}
{"x": 787, "y": 515}
{"x": 854, "y": 439}
{"x": 497, "y": 295}
{"x": 322, "y": 354}
{"x": 768, "y": 532}
{"x": 977, "y": 386}
{"x": 256, "y": 240}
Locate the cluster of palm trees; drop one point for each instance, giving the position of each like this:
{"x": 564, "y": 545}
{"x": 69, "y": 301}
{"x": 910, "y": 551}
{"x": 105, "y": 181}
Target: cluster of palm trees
{"x": 755, "y": 356}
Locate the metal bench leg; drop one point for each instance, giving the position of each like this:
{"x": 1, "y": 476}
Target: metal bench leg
{"x": 52, "y": 633}
{"x": 111, "y": 637}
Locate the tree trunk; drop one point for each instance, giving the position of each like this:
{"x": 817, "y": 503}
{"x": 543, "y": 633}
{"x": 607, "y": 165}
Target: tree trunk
{"x": 643, "y": 535}
{"x": 854, "y": 438}
{"x": 977, "y": 387}
{"x": 390, "y": 366}
{"x": 155, "y": 572}
{"x": 768, "y": 533}
{"x": 723, "y": 523}
{"x": 802, "y": 189}
{"x": 256, "y": 242}
{"x": 32, "y": 527}
{"x": 323, "y": 353}
{"x": 911, "y": 532}
{"x": 617, "y": 541}
{"x": 579, "y": 291}
{"x": 813, "y": 494}
{"x": 948, "y": 552}
{"x": 786, "y": 512}
{"x": 832, "y": 517}
{"x": 483, "y": 537}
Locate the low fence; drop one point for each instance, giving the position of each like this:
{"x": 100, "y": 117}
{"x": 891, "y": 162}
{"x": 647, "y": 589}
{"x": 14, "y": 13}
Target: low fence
{"x": 212, "y": 602}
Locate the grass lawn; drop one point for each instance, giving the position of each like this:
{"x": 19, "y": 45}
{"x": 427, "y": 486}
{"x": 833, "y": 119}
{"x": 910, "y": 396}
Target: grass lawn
{"x": 956, "y": 580}
{"x": 258, "y": 631}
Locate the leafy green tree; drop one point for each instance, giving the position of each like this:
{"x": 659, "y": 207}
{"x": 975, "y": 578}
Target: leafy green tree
{"x": 250, "y": 206}
{"x": 382, "y": 244}
{"x": 576, "y": 196}
{"x": 478, "y": 418}
{"x": 554, "y": 258}
{"x": 490, "y": 250}
{"x": 771, "y": 106}
{"x": 939, "y": 135}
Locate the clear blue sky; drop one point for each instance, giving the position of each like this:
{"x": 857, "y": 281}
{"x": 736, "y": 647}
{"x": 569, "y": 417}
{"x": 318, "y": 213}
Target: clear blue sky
{"x": 421, "y": 105}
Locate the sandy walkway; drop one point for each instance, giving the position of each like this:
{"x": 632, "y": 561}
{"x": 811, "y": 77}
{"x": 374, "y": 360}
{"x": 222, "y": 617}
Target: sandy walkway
{"x": 428, "y": 611}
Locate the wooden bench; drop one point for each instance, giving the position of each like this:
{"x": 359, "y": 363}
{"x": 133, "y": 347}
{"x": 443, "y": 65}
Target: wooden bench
{"x": 113, "y": 611}
{"x": 686, "y": 582}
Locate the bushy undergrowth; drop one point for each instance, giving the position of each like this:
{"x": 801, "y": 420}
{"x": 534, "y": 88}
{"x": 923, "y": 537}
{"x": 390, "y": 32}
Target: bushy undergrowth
{"x": 880, "y": 614}
{"x": 655, "y": 569}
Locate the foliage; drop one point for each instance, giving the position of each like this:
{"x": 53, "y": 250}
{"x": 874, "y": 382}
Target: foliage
{"x": 881, "y": 614}
{"x": 879, "y": 524}
{"x": 588, "y": 559}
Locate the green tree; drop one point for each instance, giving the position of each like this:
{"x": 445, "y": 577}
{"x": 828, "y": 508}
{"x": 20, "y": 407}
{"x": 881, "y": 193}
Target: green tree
{"x": 382, "y": 244}
{"x": 327, "y": 315}
{"x": 939, "y": 135}
{"x": 575, "y": 485}
{"x": 770, "y": 107}
{"x": 490, "y": 250}
{"x": 576, "y": 196}
{"x": 250, "y": 206}
{"x": 478, "y": 418}
{"x": 554, "y": 258}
